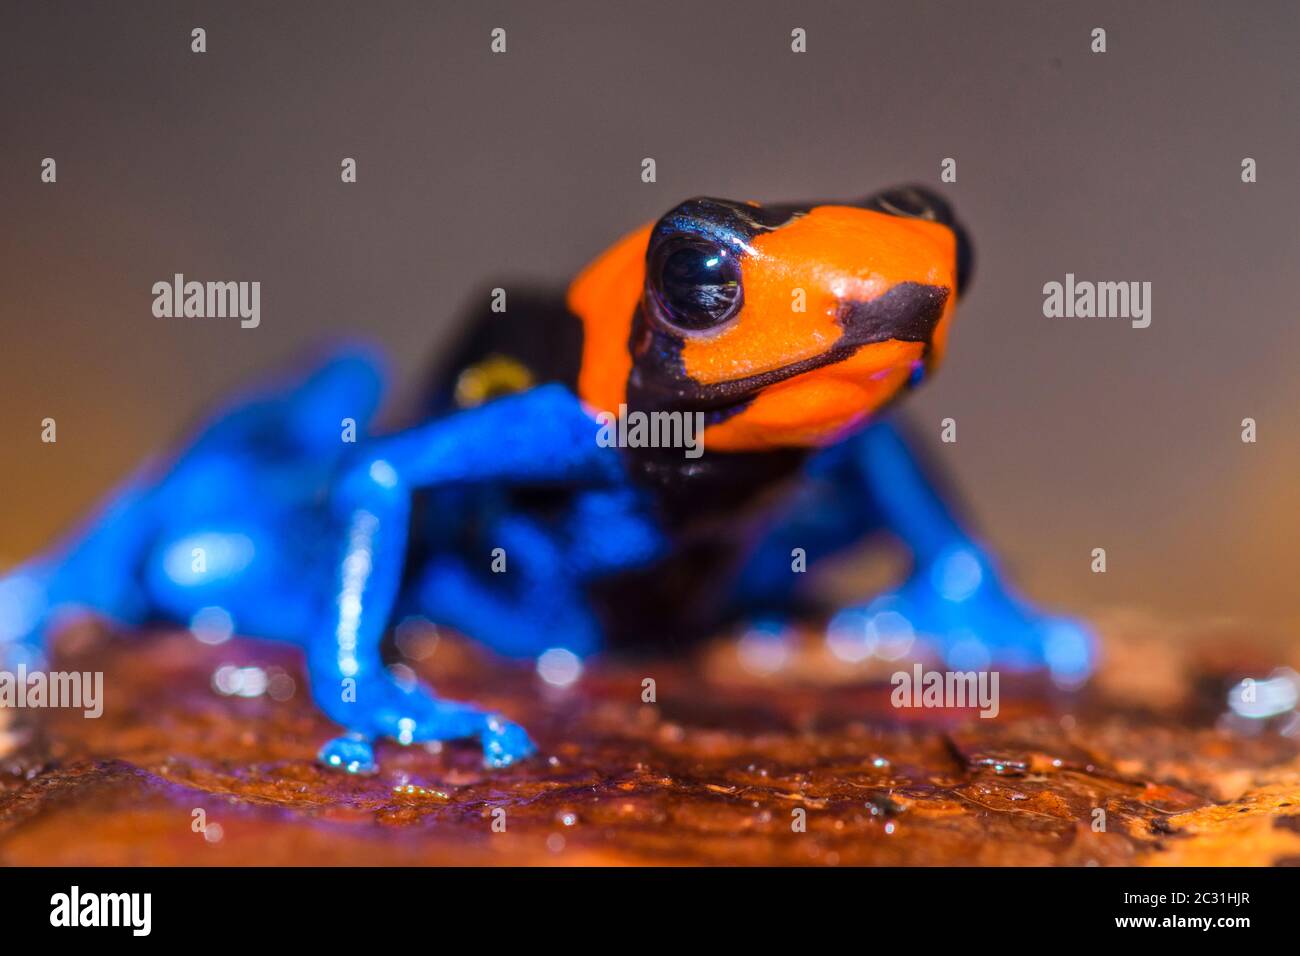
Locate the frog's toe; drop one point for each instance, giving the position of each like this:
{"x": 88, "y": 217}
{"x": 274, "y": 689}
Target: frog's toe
{"x": 887, "y": 627}
{"x": 417, "y": 716}
{"x": 971, "y": 628}
{"x": 351, "y": 753}
{"x": 505, "y": 743}
{"x": 1014, "y": 635}
{"x": 1069, "y": 649}
{"x": 411, "y": 715}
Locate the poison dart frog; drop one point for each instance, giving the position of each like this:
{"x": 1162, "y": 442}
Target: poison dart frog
{"x": 782, "y": 331}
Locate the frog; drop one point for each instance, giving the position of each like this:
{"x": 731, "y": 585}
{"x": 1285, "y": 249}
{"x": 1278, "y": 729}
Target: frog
{"x": 787, "y": 332}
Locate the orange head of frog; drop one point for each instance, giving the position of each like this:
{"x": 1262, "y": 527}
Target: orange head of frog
{"x": 787, "y": 325}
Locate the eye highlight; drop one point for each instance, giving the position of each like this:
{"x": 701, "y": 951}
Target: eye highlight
{"x": 695, "y": 284}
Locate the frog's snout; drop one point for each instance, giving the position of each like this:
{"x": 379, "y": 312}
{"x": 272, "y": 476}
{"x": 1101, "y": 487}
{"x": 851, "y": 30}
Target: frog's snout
{"x": 919, "y": 202}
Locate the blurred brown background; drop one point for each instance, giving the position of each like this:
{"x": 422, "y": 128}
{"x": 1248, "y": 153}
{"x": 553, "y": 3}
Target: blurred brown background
{"x": 474, "y": 168}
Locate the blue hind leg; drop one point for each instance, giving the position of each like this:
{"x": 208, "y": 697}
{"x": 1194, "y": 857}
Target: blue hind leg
{"x": 238, "y": 478}
{"x": 954, "y": 598}
{"x": 530, "y": 598}
{"x": 955, "y": 594}
{"x": 532, "y": 606}
{"x": 93, "y": 570}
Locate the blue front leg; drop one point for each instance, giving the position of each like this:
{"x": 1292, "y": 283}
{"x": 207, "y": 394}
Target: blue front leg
{"x": 536, "y": 437}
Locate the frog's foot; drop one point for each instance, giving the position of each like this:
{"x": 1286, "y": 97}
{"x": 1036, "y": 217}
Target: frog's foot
{"x": 28, "y": 656}
{"x": 383, "y": 708}
{"x": 958, "y": 606}
{"x": 26, "y": 611}
{"x": 352, "y": 752}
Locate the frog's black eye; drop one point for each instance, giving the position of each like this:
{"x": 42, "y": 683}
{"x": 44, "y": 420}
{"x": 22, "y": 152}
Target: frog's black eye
{"x": 695, "y": 284}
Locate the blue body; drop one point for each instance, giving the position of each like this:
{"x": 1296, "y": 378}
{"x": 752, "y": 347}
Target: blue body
{"x": 301, "y": 536}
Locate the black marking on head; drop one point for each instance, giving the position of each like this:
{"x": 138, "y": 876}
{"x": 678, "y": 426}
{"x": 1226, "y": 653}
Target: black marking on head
{"x": 658, "y": 378}
{"x": 908, "y": 312}
{"x": 731, "y": 224}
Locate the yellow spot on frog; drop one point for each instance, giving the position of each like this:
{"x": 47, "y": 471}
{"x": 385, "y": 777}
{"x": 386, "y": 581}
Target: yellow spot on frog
{"x": 493, "y": 377}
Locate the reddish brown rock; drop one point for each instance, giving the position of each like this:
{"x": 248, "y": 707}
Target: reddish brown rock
{"x": 713, "y": 772}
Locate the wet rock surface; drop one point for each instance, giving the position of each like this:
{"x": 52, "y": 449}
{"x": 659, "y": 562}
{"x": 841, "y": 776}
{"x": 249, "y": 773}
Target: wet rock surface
{"x": 191, "y": 765}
